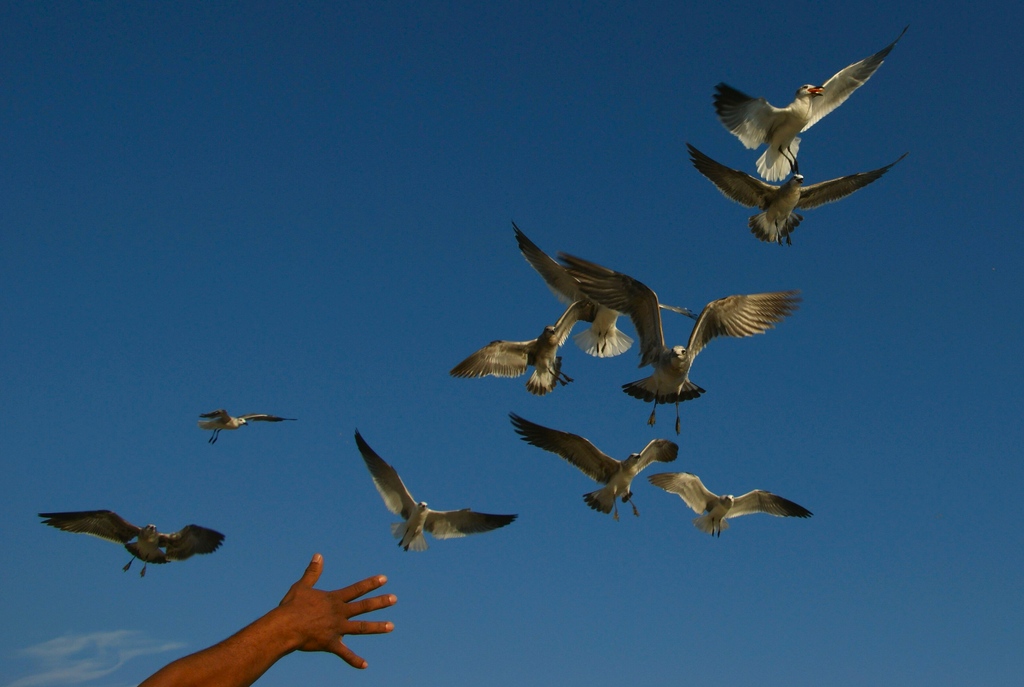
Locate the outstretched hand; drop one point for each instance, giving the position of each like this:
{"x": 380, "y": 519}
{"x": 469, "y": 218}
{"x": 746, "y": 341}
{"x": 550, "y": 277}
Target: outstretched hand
{"x": 320, "y": 618}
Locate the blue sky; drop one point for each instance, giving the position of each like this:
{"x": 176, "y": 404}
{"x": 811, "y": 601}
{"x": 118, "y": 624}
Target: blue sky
{"x": 307, "y": 211}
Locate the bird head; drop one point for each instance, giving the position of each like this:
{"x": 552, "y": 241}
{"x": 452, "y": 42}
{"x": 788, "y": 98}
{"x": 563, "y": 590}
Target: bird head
{"x": 148, "y": 533}
{"x": 242, "y": 421}
{"x": 810, "y": 91}
{"x": 422, "y": 505}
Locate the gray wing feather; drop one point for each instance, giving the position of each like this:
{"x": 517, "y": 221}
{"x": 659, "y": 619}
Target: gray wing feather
{"x": 104, "y": 524}
{"x": 657, "y": 450}
{"x": 498, "y": 358}
{"x": 459, "y": 523}
{"x": 558, "y": 279}
{"x": 263, "y": 417}
{"x": 750, "y": 119}
{"x": 190, "y": 540}
{"x": 741, "y": 316}
{"x": 686, "y": 486}
{"x": 396, "y": 497}
{"x": 734, "y": 184}
{"x": 823, "y": 192}
{"x": 759, "y": 501}
{"x": 578, "y": 451}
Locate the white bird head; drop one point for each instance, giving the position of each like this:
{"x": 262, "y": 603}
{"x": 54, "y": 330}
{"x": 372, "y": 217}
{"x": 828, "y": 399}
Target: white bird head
{"x": 148, "y": 533}
{"x": 242, "y": 421}
{"x": 422, "y": 505}
{"x": 809, "y": 91}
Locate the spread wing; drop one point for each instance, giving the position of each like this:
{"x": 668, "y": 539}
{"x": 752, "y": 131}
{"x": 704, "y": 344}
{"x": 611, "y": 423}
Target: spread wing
{"x": 734, "y": 184}
{"x": 396, "y": 497}
{"x": 657, "y": 450}
{"x": 686, "y": 486}
{"x": 220, "y": 414}
{"x": 750, "y": 119}
{"x": 846, "y": 81}
{"x": 190, "y": 540}
{"x": 558, "y": 279}
{"x": 741, "y": 316}
{"x": 829, "y": 191}
{"x": 498, "y": 358}
{"x": 627, "y": 295}
{"x": 458, "y": 523}
{"x": 104, "y": 524}
{"x": 580, "y": 452}
{"x": 758, "y": 501}
{"x": 263, "y": 417}
{"x": 577, "y": 310}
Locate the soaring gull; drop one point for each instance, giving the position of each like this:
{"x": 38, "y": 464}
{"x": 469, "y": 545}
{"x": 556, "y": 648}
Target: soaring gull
{"x": 511, "y": 358}
{"x": 219, "y": 419}
{"x": 718, "y": 509}
{"x": 736, "y": 316}
{"x": 603, "y": 339}
{"x": 149, "y": 546}
{"x": 755, "y": 121}
{"x": 416, "y": 517}
{"x": 779, "y": 219}
{"x": 617, "y": 476}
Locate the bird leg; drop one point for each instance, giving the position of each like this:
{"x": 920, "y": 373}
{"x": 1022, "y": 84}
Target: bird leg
{"x": 677, "y": 417}
{"x": 563, "y": 378}
{"x": 128, "y": 565}
{"x": 788, "y": 154}
{"x": 651, "y": 420}
{"x": 143, "y": 573}
{"x": 628, "y": 498}
{"x": 213, "y": 437}
{"x": 616, "y": 514}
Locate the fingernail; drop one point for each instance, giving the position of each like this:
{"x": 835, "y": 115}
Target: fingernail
{"x": 317, "y": 558}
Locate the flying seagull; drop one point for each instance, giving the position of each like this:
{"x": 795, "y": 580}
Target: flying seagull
{"x": 219, "y": 419}
{"x": 416, "y": 517}
{"x": 603, "y": 339}
{"x": 736, "y": 316}
{"x": 718, "y": 509}
{"x": 105, "y": 524}
{"x": 779, "y": 219}
{"x": 755, "y": 121}
{"x": 614, "y": 474}
{"x": 511, "y": 358}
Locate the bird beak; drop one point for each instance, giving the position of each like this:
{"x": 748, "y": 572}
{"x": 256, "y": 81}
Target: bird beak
{"x": 817, "y": 90}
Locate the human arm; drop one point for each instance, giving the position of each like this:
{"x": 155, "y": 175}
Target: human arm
{"x": 307, "y": 619}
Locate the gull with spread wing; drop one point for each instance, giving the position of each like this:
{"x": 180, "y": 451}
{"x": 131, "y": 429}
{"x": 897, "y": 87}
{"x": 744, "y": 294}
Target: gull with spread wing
{"x": 735, "y": 316}
{"x": 219, "y": 419}
{"x": 755, "y": 121}
{"x": 616, "y": 475}
{"x": 511, "y": 358}
{"x": 602, "y": 339}
{"x": 149, "y": 546}
{"x": 417, "y": 518}
{"x": 779, "y": 203}
{"x": 717, "y": 509}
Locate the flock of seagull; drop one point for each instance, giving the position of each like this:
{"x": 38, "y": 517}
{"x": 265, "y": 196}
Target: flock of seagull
{"x": 598, "y": 295}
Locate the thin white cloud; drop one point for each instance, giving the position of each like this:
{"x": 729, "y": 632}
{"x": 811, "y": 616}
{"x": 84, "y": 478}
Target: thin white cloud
{"x": 74, "y": 659}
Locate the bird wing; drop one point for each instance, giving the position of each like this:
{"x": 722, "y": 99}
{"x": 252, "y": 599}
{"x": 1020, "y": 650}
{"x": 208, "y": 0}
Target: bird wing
{"x": 219, "y": 413}
{"x": 741, "y": 316}
{"x": 580, "y": 452}
{"x": 458, "y": 523}
{"x": 750, "y": 119}
{"x": 498, "y": 358}
{"x": 104, "y": 524}
{"x": 263, "y": 417}
{"x": 396, "y": 497}
{"x": 657, "y": 450}
{"x": 734, "y": 184}
{"x": 577, "y": 310}
{"x": 686, "y": 486}
{"x": 846, "y": 81}
{"x": 758, "y": 501}
{"x": 626, "y": 295}
{"x": 558, "y": 279}
{"x": 823, "y": 192}
{"x": 190, "y": 540}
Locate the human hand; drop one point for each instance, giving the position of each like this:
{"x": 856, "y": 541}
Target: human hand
{"x": 320, "y": 619}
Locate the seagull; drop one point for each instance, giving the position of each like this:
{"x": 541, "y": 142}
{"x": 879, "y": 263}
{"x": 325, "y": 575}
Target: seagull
{"x": 718, "y": 509}
{"x": 603, "y": 339}
{"x": 511, "y": 358}
{"x": 105, "y": 524}
{"x": 221, "y": 420}
{"x": 614, "y": 474}
{"x": 779, "y": 203}
{"x": 736, "y": 316}
{"x": 416, "y": 517}
{"x": 755, "y": 121}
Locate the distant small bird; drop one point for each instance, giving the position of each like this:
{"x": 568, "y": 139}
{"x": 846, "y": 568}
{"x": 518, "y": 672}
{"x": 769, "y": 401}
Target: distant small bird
{"x": 617, "y": 476}
{"x": 416, "y": 517}
{"x": 717, "y": 509}
{"x": 603, "y": 339}
{"x": 511, "y": 358}
{"x": 755, "y": 121}
{"x": 221, "y": 420}
{"x": 105, "y": 524}
{"x": 779, "y": 203}
{"x": 736, "y": 316}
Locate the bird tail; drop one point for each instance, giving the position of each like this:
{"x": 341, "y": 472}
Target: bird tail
{"x": 646, "y": 390}
{"x": 773, "y": 165}
{"x": 602, "y": 500}
{"x": 707, "y": 524}
{"x": 606, "y": 344}
{"x": 774, "y": 233}
{"x": 544, "y": 377}
{"x": 399, "y": 530}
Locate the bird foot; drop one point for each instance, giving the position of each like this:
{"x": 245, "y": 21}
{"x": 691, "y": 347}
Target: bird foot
{"x": 127, "y": 565}
{"x": 651, "y": 420}
{"x": 635, "y": 511}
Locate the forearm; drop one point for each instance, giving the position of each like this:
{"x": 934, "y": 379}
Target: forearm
{"x": 237, "y": 661}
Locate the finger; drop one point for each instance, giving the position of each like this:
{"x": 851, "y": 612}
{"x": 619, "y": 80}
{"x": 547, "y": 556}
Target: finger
{"x": 366, "y": 627}
{"x": 312, "y": 573}
{"x": 354, "y": 591}
{"x": 373, "y": 604}
{"x": 349, "y": 656}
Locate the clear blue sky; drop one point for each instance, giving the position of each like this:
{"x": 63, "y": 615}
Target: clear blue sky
{"x": 306, "y": 210}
